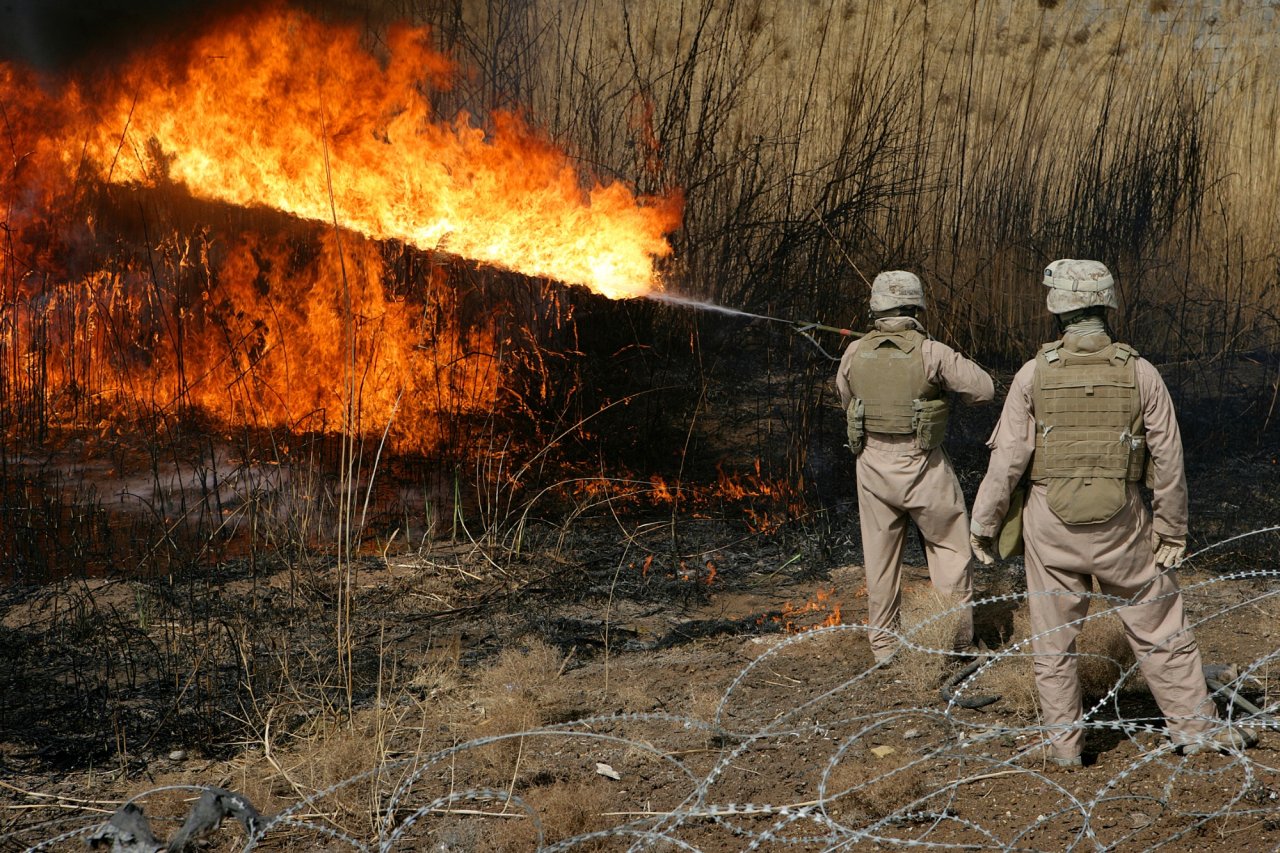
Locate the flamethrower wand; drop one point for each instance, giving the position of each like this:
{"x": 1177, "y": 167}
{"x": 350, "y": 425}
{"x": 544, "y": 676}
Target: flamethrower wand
{"x": 800, "y": 327}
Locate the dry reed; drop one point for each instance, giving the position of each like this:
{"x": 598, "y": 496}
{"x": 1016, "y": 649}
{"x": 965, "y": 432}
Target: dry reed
{"x": 1104, "y": 656}
{"x": 820, "y": 143}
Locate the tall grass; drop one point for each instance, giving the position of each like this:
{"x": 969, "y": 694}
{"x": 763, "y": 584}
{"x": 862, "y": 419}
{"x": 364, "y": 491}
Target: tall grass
{"x": 820, "y": 142}
{"x": 971, "y": 141}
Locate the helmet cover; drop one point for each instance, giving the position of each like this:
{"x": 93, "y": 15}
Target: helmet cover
{"x": 1075, "y": 284}
{"x": 895, "y": 289}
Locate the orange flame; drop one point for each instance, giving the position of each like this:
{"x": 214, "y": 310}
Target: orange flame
{"x": 765, "y": 504}
{"x": 797, "y": 619}
{"x": 278, "y": 110}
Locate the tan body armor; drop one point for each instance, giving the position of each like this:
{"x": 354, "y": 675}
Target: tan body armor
{"x": 890, "y": 392}
{"x": 1090, "y": 439}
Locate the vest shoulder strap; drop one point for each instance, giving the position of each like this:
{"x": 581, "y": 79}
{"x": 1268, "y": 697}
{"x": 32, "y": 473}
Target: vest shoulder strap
{"x": 905, "y": 341}
{"x": 1049, "y": 353}
{"x": 1124, "y": 352}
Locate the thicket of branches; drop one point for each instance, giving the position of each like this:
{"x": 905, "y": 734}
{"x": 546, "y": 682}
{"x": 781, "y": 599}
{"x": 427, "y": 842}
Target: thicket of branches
{"x": 817, "y": 144}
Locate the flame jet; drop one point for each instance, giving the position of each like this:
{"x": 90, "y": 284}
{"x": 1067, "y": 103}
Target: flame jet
{"x": 273, "y": 108}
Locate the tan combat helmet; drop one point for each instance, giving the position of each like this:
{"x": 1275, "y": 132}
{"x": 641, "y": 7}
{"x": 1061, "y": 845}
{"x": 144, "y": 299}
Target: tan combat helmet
{"x": 1079, "y": 284}
{"x": 896, "y": 289}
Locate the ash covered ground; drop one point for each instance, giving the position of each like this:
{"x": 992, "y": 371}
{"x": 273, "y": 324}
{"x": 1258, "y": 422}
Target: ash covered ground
{"x": 627, "y": 673}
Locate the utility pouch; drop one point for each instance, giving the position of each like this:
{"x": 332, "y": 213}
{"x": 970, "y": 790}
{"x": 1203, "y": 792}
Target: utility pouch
{"x": 1137, "y": 468}
{"x": 1009, "y": 536}
{"x": 1086, "y": 500}
{"x": 929, "y": 419}
{"x": 856, "y": 424}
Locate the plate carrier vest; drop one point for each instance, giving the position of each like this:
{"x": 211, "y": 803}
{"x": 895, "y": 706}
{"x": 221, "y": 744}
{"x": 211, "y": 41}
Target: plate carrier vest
{"x": 891, "y": 393}
{"x": 1088, "y": 428}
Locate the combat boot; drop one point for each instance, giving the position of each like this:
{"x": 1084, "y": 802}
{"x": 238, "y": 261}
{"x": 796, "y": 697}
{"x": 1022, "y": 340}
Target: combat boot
{"x": 1225, "y": 739}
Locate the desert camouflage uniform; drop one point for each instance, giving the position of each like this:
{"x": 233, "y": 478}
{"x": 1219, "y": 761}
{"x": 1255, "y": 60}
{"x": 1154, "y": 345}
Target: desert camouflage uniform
{"x": 898, "y": 481}
{"x": 1062, "y": 558}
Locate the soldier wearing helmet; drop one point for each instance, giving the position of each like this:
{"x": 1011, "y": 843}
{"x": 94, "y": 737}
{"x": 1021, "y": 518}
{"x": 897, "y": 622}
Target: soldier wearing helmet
{"x": 1087, "y": 420}
{"x": 894, "y": 385}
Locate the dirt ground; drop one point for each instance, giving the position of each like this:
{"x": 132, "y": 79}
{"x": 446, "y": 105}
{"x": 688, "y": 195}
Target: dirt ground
{"x": 638, "y": 678}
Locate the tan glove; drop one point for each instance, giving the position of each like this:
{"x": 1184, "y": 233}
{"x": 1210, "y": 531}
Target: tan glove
{"x": 1169, "y": 550}
{"x": 982, "y": 549}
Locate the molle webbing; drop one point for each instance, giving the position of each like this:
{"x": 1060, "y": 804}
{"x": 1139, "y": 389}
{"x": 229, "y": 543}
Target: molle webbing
{"x": 887, "y": 375}
{"x": 1088, "y": 415}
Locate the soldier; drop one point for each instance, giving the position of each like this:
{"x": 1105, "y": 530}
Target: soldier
{"x": 893, "y": 385}
{"x": 1090, "y": 418}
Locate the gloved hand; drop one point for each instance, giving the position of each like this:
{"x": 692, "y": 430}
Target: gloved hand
{"x": 1169, "y": 550}
{"x": 982, "y": 549}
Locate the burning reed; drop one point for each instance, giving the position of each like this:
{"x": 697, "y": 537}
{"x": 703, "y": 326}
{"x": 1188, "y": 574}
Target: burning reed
{"x": 252, "y": 328}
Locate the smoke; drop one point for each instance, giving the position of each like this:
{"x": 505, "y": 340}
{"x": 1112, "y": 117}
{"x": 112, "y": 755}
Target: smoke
{"x": 57, "y": 35}
{"x": 68, "y": 36}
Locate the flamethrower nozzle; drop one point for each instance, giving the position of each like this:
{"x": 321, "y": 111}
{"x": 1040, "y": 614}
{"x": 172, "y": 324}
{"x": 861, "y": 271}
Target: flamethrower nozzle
{"x": 818, "y": 327}
{"x": 806, "y": 330}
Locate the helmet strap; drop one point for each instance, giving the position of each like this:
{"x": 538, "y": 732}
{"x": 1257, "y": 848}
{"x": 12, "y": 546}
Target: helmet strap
{"x": 900, "y": 311}
{"x": 1093, "y": 318}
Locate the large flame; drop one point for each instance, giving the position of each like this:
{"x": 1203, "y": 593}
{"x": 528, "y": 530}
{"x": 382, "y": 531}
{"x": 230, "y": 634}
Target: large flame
{"x": 279, "y": 110}
{"x": 236, "y": 315}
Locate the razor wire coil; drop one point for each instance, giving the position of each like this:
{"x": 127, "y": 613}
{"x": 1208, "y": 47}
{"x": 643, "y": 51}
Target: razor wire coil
{"x": 956, "y": 753}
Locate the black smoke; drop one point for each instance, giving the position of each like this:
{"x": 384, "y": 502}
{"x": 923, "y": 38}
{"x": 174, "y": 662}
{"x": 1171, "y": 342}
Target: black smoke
{"x": 58, "y": 36}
